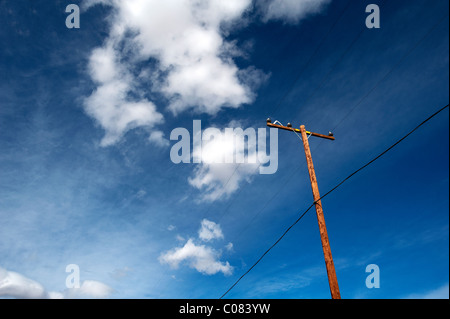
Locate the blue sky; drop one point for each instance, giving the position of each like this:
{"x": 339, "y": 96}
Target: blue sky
{"x": 86, "y": 176}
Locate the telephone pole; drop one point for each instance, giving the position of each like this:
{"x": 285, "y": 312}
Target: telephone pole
{"x": 331, "y": 272}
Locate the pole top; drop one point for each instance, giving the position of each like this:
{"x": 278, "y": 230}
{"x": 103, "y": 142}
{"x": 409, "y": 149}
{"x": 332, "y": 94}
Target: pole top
{"x": 296, "y": 130}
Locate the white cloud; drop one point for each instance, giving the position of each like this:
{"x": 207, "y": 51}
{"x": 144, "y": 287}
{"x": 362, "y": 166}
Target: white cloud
{"x": 214, "y": 176}
{"x": 102, "y": 64}
{"x": 15, "y": 285}
{"x": 203, "y": 258}
{"x": 209, "y": 230}
{"x": 194, "y": 68}
{"x": 140, "y": 194}
{"x": 219, "y": 181}
{"x": 438, "y": 293}
{"x": 157, "y": 137}
{"x": 110, "y": 103}
{"x": 291, "y": 11}
{"x": 200, "y": 257}
{"x": 189, "y": 60}
{"x": 55, "y": 295}
{"x": 90, "y": 289}
{"x": 187, "y": 38}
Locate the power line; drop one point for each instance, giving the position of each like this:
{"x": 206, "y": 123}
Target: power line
{"x": 332, "y": 190}
{"x": 384, "y": 152}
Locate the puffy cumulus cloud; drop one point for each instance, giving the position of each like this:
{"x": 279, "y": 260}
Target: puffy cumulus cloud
{"x": 209, "y": 230}
{"x": 438, "y": 293}
{"x": 290, "y": 11}
{"x": 186, "y": 37}
{"x": 230, "y": 157}
{"x": 219, "y": 181}
{"x": 111, "y": 103}
{"x": 176, "y": 51}
{"x": 15, "y": 285}
{"x": 200, "y": 257}
{"x": 90, "y": 289}
{"x": 187, "y": 61}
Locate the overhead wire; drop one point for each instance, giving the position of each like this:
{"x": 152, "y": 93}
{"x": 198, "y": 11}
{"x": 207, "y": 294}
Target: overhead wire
{"x": 415, "y": 46}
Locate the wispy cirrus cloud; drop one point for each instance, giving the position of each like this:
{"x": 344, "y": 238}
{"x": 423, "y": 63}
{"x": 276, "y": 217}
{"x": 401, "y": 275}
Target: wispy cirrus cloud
{"x": 438, "y": 293}
{"x": 290, "y": 11}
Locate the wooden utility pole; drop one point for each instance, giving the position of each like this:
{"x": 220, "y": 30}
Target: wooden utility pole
{"x": 332, "y": 279}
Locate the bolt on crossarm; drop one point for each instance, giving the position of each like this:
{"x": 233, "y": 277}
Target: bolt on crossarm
{"x": 331, "y": 272}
